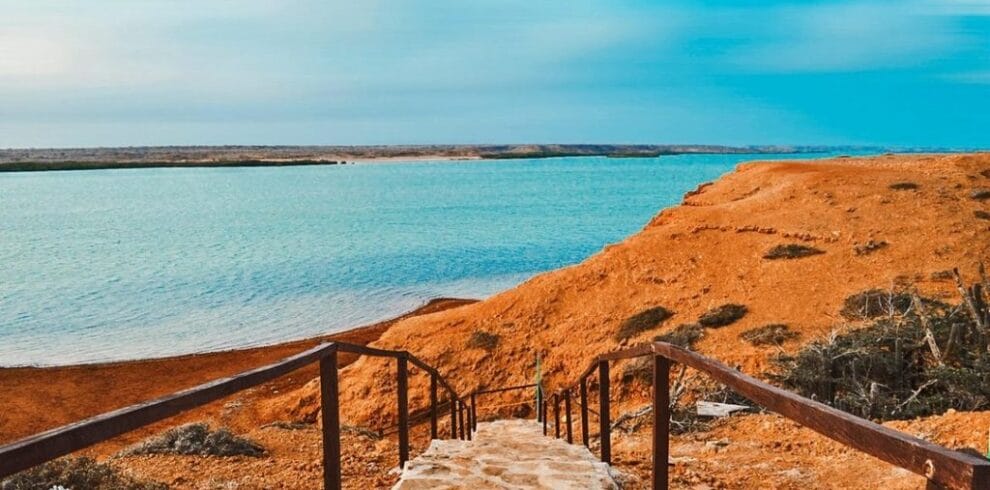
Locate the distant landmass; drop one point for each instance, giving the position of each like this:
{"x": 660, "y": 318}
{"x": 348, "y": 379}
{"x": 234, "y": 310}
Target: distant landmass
{"x": 34, "y": 159}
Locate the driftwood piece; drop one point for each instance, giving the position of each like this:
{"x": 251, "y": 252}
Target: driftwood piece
{"x": 714, "y": 409}
{"x": 929, "y": 336}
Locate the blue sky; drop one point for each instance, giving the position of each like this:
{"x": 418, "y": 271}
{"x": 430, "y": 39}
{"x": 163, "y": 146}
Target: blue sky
{"x": 117, "y": 73}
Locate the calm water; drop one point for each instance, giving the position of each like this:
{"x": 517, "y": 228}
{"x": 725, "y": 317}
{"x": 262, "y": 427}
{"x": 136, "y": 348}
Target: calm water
{"x": 122, "y": 264}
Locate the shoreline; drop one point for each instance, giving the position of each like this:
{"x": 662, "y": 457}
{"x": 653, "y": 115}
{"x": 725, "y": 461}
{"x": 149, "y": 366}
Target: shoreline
{"x": 38, "y": 160}
{"x": 41, "y": 398}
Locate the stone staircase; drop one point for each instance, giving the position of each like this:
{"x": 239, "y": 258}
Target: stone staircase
{"x": 506, "y": 454}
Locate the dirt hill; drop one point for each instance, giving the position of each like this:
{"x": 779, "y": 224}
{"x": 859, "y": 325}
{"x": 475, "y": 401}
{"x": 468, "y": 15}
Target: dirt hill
{"x": 853, "y": 223}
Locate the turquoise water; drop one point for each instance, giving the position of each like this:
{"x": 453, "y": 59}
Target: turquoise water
{"x": 122, "y": 264}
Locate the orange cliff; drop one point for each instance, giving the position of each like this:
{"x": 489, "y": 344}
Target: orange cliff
{"x": 701, "y": 254}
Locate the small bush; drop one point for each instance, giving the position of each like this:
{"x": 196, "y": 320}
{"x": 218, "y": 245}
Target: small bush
{"x": 76, "y": 474}
{"x": 640, "y": 322}
{"x": 981, "y": 214}
{"x": 791, "y": 251}
{"x": 197, "y": 439}
{"x": 722, "y": 315}
{"x": 903, "y": 186}
{"x": 869, "y": 247}
{"x": 684, "y": 335}
{"x": 986, "y": 173}
{"x": 980, "y": 194}
{"x": 887, "y": 370}
{"x": 875, "y": 303}
{"x": 773, "y": 334}
{"x": 483, "y": 340}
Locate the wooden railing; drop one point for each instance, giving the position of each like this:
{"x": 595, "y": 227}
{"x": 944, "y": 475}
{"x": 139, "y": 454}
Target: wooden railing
{"x": 942, "y": 467}
{"x": 37, "y": 449}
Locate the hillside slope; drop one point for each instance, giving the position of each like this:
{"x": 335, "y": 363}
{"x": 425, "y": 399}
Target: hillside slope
{"x": 704, "y": 253}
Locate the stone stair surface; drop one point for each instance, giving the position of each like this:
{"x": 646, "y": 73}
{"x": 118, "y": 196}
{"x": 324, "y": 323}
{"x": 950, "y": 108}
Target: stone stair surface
{"x": 506, "y": 454}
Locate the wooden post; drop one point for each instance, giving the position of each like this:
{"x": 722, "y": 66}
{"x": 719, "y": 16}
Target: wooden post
{"x": 661, "y": 421}
{"x": 403, "y": 396}
{"x": 543, "y": 414}
{"x": 331, "y": 421}
{"x": 604, "y": 424}
{"x": 474, "y": 411}
{"x": 584, "y": 412}
{"x": 453, "y": 415}
{"x": 433, "y": 406}
{"x": 567, "y": 415}
{"x": 539, "y": 404}
{"x": 470, "y": 423}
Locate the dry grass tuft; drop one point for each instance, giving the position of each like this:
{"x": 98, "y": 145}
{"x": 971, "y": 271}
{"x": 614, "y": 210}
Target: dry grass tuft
{"x": 791, "y": 251}
{"x": 483, "y": 340}
{"x": 723, "y": 315}
{"x": 647, "y": 319}
{"x": 76, "y": 473}
{"x": 773, "y": 334}
{"x": 869, "y": 247}
{"x": 684, "y": 335}
{"x": 199, "y": 440}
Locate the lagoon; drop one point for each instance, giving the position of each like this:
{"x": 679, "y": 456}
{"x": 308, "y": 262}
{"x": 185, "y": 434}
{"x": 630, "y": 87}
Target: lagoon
{"x": 108, "y": 265}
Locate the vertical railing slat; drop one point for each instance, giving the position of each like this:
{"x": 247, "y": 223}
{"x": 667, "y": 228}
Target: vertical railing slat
{"x": 543, "y": 413}
{"x": 330, "y": 407}
{"x": 567, "y": 416}
{"x": 433, "y": 406}
{"x": 474, "y": 411}
{"x": 661, "y": 421}
{"x": 604, "y": 429}
{"x": 453, "y": 415}
{"x": 403, "y": 398}
{"x": 584, "y": 412}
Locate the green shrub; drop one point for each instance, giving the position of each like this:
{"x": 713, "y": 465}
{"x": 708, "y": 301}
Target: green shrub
{"x": 76, "y": 474}
{"x": 981, "y": 214}
{"x": 723, "y": 315}
{"x": 980, "y": 194}
{"x": 903, "y": 186}
{"x": 483, "y": 340}
{"x": 640, "y": 322}
{"x": 199, "y": 440}
{"x": 791, "y": 251}
{"x": 773, "y": 334}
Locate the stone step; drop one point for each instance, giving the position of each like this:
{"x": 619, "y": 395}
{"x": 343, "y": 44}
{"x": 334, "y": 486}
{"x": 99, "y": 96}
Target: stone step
{"x": 506, "y": 454}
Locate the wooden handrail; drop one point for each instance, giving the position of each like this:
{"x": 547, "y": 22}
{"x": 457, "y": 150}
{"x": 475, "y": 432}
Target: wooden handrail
{"x": 942, "y": 467}
{"x": 45, "y": 446}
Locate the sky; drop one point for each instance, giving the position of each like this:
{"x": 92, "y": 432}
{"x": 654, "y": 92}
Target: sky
{"x": 911, "y": 73}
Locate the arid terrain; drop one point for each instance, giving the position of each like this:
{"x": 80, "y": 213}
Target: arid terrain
{"x": 874, "y": 223}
